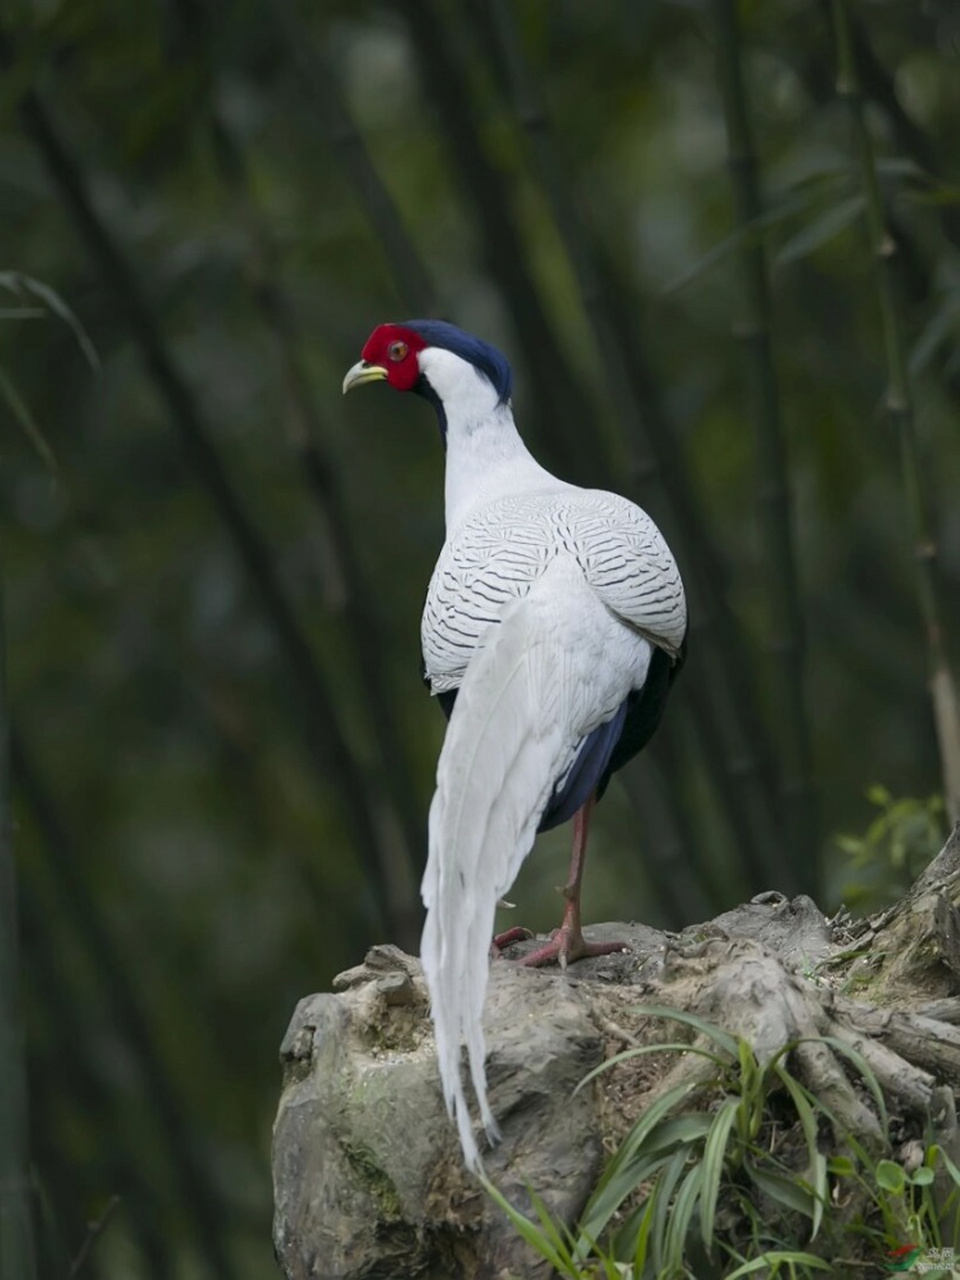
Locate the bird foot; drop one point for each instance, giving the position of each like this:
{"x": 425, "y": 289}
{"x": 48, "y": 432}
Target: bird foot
{"x": 566, "y": 945}
{"x": 502, "y": 940}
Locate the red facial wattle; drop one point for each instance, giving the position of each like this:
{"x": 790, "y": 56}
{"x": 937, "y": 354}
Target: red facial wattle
{"x": 395, "y": 349}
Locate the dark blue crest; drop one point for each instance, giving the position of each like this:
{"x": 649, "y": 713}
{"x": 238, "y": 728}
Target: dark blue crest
{"x": 487, "y": 360}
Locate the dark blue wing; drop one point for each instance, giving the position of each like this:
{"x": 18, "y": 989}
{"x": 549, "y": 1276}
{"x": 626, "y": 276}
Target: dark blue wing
{"x": 585, "y": 772}
{"x": 610, "y": 745}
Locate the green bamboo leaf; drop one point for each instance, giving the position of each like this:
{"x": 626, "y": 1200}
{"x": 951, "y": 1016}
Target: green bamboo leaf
{"x": 939, "y": 329}
{"x": 742, "y": 237}
{"x": 904, "y": 167}
{"x": 20, "y": 284}
{"x": 821, "y": 230}
{"x": 944, "y": 193}
{"x": 26, "y": 421}
{"x": 706, "y": 261}
{"x": 714, "y": 1159}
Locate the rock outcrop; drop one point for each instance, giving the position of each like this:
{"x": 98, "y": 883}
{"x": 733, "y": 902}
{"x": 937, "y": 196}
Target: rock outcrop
{"x": 368, "y": 1176}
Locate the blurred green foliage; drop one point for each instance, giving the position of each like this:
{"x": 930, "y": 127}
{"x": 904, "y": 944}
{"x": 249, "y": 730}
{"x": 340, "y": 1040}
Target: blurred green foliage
{"x": 270, "y": 181}
{"x": 895, "y": 847}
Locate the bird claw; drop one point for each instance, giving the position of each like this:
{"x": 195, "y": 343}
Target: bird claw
{"x": 503, "y": 940}
{"x": 568, "y": 945}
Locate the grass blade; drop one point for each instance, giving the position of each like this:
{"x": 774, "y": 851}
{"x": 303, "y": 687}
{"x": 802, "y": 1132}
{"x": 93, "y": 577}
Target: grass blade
{"x": 722, "y": 1039}
{"x": 683, "y": 1210}
{"x": 785, "y": 1190}
{"x": 714, "y": 1159}
{"x": 666, "y": 1186}
{"x": 629, "y": 1166}
{"x": 866, "y": 1071}
{"x": 670, "y": 1046}
{"x": 777, "y": 1256}
{"x": 802, "y": 1105}
{"x": 530, "y": 1232}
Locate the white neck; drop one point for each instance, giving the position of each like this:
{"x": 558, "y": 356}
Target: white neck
{"x": 486, "y": 458}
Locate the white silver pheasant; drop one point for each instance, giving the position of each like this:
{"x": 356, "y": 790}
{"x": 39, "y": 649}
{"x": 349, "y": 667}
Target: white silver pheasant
{"x": 554, "y": 624}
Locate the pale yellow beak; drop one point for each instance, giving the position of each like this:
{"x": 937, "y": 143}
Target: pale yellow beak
{"x": 361, "y": 373}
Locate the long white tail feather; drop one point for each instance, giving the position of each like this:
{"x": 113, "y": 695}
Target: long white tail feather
{"x": 559, "y": 664}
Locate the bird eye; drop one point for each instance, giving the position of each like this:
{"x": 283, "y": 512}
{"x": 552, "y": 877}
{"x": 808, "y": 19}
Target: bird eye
{"x": 397, "y": 350}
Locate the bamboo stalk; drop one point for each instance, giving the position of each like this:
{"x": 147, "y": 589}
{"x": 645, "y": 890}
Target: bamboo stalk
{"x": 899, "y": 406}
{"x": 200, "y": 1202}
{"x": 669, "y": 849}
{"x": 877, "y": 87}
{"x": 414, "y": 282}
{"x": 117, "y": 1163}
{"x": 729, "y": 728}
{"x": 557, "y": 410}
{"x": 776, "y": 519}
{"x": 390, "y": 780}
{"x": 319, "y": 722}
{"x": 17, "y": 1255}
{"x": 917, "y": 258}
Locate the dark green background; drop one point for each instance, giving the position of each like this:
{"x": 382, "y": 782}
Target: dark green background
{"x": 228, "y": 197}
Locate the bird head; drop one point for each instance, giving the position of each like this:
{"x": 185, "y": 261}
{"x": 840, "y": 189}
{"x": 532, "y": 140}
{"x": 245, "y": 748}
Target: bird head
{"x": 429, "y": 357}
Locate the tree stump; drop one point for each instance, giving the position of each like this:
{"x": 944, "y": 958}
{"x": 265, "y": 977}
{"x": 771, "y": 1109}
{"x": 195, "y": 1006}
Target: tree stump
{"x": 368, "y": 1175}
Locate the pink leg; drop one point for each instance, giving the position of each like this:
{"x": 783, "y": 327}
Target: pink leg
{"x": 568, "y": 943}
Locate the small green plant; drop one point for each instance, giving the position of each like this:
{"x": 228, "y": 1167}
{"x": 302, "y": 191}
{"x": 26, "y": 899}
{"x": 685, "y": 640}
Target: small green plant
{"x": 893, "y": 850}
{"x": 656, "y": 1211}
{"x": 661, "y": 1190}
{"x": 917, "y": 1209}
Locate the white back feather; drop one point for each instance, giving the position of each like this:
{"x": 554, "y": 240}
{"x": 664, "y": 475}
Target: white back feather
{"x": 559, "y": 664}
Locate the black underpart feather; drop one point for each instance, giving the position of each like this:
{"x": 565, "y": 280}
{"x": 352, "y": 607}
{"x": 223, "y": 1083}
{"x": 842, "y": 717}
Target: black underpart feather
{"x": 423, "y": 388}
{"x": 611, "y": 745}
{"x": 488, "y": 361}
{"x": 447, "y": 700}
{"x": 644, "y": 710}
